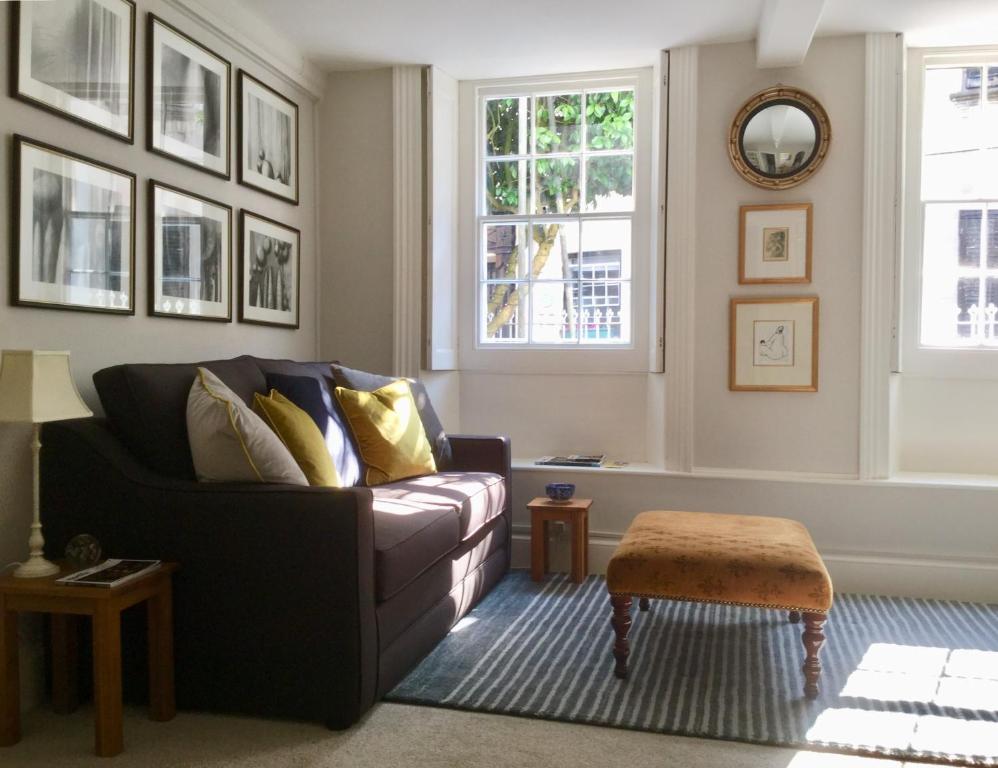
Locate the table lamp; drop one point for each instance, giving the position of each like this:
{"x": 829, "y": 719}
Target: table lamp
{"x": 36, "y": 387}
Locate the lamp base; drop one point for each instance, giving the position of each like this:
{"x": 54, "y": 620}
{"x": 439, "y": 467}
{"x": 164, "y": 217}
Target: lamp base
{"x": 36, "y": 567}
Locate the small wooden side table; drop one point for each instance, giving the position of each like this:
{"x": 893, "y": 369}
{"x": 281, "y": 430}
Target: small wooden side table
{"x": 65, "y": 603}
{"x": 575, "y": 512}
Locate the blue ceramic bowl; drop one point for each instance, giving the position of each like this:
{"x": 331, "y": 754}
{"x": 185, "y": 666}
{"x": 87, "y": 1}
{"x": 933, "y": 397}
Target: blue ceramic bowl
{"x": 560, "y": 491}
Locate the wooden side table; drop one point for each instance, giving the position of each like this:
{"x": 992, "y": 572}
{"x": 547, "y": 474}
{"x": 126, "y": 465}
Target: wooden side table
{"x": 104, "y": 606}
{"x": 574, "y": 512}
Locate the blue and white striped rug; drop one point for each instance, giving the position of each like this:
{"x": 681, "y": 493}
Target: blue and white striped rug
{"x": 916, "y": 679}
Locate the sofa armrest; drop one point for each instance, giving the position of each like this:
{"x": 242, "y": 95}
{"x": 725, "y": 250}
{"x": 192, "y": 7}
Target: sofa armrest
{"x": 479, "y": 453}
{"x": 275, "y": 594}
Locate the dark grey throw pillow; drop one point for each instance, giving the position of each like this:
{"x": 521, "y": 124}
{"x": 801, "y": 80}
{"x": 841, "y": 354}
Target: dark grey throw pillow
{"x": 362, "y": 381}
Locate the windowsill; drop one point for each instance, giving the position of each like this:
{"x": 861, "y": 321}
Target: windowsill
{"x": 946, "y": 480}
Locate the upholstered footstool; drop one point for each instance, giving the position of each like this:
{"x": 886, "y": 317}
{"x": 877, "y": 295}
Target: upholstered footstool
{"x": 763, "y": 562}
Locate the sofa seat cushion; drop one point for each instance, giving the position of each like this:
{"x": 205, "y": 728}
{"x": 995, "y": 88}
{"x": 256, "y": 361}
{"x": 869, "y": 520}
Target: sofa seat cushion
{"x": 419, "y": 520}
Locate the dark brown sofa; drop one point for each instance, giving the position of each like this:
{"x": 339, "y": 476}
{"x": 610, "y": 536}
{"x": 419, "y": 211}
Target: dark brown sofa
{"x": 299, "y": 602}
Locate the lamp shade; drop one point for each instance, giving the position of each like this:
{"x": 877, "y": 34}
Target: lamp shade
{"x": 37, "y": 386}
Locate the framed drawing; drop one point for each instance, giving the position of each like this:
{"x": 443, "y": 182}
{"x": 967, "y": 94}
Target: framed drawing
{"x": 76, "y": 58}
{"x": 268, "y": 139}
{"x": 188, "y": 100}
{"x": 774, "y": 243}
{"x": 190, "y": 255}
{"x": 269, "y": 271}
{"x": 73, "y": 231}
{"x": 774, "y": 344}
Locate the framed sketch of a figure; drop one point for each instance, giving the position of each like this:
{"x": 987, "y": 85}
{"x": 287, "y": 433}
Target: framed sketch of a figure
{"x": 268, "y": 139}
{"x": 188, "y": 100}
{"x": 190, "y": 255}
{"x": 269, "y": 271}
{"x": 73, "y": 231}
{"x": 76, "y": 58}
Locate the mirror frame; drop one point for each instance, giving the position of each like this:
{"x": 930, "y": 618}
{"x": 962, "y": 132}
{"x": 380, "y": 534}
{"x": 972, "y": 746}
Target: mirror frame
{"x": 793, "y": 97}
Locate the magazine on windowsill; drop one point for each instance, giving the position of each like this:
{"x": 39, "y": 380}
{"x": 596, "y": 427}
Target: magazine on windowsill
{"x": 574, "y": 460}
{"x": 111, "y": 573}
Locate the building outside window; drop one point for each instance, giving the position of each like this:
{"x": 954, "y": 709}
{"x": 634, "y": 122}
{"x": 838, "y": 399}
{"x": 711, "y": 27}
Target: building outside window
{"x": 959, "y": 205}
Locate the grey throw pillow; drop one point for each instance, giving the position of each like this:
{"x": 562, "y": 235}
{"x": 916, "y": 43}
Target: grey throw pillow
{"x": 363, "y": 381}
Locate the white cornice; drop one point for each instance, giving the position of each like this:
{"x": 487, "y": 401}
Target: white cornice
{"x": 239, "y": 26}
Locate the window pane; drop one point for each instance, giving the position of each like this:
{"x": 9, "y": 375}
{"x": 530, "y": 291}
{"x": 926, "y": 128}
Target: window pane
{"x": 993, "y": 84}
{"x": 506, "y": 184}
{"x": 610, "y": 183}
{"x": 552, "y": 249}
{"x": 944, "y": 301}
{"x": 557, "y": 185}
{"x": 558, "y": 123}
{"x": 505, "y": 126}
{"x": 554, "y": 312}
{"x": 610, "y": 120}
{"x": 506, "y": 252}
{"x": 606, "y": 246}
{"x": 968, "y": 291}
{"x": 969, "y": 238}
{"x": 993, "y": 240}
{"x": 954, "y": 127}
{"x": 504, "y": 311}
{"x": 604, "y": 312}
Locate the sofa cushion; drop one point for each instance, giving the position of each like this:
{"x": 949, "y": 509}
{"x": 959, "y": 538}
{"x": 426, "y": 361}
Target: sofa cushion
{"x": 312, "y": 393}
{"x": 299, "y": 433}
{"x": 352, "y": 378}
{"x": 230, "y": 443}
{"x": 146, "y": 406}
{"x": 419, "y": 520}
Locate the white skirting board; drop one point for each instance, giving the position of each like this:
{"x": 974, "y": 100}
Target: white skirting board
{"x": 972, "y": 580}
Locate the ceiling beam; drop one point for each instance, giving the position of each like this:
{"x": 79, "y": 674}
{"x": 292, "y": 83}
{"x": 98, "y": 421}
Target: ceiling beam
{"x": 786, "y": 28}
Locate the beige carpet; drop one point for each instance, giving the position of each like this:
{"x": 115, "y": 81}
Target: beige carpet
{"x": 392, "y": 735}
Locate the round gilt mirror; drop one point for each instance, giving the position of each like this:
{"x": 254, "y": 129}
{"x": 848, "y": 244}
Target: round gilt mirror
{"x": 779, "y": 138}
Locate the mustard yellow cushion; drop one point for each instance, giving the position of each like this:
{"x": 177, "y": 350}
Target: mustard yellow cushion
{"x": 388, "y": 431}
{"x": 300, "y": 435}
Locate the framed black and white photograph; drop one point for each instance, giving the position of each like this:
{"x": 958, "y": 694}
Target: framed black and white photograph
{"x": 188, "y": 98}
{"x": 268, "y": 139}
{"x": 76, "y": 58}
{"x": 269, "y": 271}
{"x": 774, "y": 344}
{"x": 190, "y": 255}
{"x": 774, "y": 243}
{"x": 74, "y": 231}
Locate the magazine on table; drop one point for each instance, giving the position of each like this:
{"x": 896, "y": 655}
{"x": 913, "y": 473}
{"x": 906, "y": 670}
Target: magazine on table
{"x": 573, "y": 460}
{"x": 111, "y": 573}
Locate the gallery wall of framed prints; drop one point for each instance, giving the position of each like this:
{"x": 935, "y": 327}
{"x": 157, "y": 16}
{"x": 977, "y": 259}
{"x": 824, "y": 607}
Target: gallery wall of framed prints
{"x": 75, "y": 216}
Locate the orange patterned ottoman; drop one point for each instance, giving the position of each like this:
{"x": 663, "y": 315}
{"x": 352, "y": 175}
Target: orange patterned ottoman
{"x": 764, "y": 562}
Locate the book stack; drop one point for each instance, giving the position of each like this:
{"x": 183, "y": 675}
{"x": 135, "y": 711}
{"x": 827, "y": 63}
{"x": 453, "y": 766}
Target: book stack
{"x": 574, "y": 460}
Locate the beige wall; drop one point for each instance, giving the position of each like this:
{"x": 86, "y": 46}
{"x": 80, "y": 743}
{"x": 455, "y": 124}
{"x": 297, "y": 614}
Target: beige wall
{"x": 96, "y": 341}
{"x": 355, "y": 158}
{"x": 803, "y": 432}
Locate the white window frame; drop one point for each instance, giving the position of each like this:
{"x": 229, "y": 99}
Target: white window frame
{"x": 917, "y": 360}
{"x": 559, "y": 358}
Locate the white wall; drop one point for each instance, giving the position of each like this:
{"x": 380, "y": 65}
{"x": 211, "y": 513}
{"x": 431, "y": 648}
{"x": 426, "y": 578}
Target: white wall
{"x": 355, "y": 158}
{"x": 97, "y": 341}
{"x": 806, "y": 432}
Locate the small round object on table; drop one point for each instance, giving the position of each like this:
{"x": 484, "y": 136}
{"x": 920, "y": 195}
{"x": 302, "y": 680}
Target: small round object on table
{"x": 83, "y": 550}
{"x": 560, "y": 491}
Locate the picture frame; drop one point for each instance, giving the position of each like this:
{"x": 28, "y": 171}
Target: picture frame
{"x": 774, "y": 243}
{"x": 97, "y": 58}
{"x": 269, "y": 272}
{"x": 73, "y": 232}
{"x": 773, "y": 344}
{"x": 188, "y": 100}
{"x": 190, "y": 255}
{"x": 268, "y": 139}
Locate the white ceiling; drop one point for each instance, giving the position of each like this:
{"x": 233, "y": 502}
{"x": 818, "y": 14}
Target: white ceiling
{"x": 474, "y": 39}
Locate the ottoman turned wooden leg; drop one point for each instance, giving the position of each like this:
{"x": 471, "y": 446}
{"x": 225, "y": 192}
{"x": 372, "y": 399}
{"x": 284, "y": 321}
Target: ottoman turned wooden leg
{"x": 621, "y": 623}
{"x": 794, "y": 617}
{"x": 643, "y": 604}
{"x": 813, "y": 639}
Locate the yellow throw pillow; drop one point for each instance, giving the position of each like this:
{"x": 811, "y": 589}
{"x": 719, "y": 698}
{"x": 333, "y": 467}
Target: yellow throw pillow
{"x": 302, "y": 437}
{"x": 388, "y": 431}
